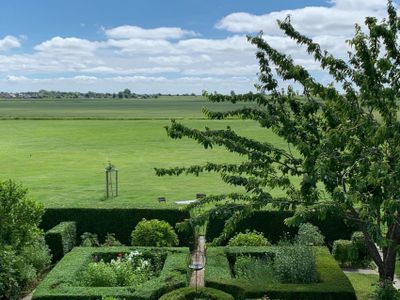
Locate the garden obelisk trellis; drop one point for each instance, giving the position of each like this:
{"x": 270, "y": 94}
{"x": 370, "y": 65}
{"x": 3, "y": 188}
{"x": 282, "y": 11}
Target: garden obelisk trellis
{"x": 111, "y": 181}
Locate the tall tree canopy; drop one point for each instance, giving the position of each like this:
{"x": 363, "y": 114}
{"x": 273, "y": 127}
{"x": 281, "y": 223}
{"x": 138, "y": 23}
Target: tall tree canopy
{"x": 346, "y": 137}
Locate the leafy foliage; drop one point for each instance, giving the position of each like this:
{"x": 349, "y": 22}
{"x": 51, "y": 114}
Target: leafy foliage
{"x": 295, "y": 263}
{"x": 309, "y": 235}
{"x": 154, "y": 233}
{"x": 24, "y": 254}
{"x": 250, "y": 238}
{"x": 125, "y": 270}
{"x": 254, "y": 268}
{"x": 89, "y": 240}
{"x": 111, "y": 240}
{"x": 343, "y": 139}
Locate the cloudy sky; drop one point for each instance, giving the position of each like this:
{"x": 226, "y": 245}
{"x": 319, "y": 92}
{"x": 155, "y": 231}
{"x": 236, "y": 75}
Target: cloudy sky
{"x": 151, "y": 46}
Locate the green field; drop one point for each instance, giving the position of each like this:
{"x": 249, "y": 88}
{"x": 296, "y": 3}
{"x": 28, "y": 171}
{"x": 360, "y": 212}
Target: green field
{"x": 164, "y": 107}
{"x": 62, "y": 162}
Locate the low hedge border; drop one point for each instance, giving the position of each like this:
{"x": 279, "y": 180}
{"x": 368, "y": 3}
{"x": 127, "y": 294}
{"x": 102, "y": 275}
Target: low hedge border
{"x": 120, "y": 221}
{"x": 334, "y": 284}
{"x": 61, "y": 239}
{"x": 189, "y": 293}
{"x": 60, "y": 282}
{"x": 271, "y": 224}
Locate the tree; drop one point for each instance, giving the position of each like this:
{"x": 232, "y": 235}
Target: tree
{"x": 343, "y": 139}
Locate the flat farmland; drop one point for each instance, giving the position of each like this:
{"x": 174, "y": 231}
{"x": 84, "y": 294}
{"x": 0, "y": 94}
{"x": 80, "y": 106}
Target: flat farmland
{"x": 62, "y": 161}
{"x": 164, "y": 107}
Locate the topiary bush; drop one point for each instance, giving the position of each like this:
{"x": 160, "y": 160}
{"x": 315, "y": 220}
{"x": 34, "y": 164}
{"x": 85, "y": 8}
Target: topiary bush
{"x": 154, "y": 233}
{"x": 249, "y": 238}
{"x": 310, "y": 235}
{"x": 23, "y": 252}
{"x": 189, "y": 293}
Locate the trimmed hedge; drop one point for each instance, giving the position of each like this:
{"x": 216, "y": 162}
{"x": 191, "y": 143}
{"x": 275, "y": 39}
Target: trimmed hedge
{"x": 333, "y": 282}
{"x": 189, "y": 293}
{"x": 61, "y": 239}
{"x": 61, "y": 283}
{"x": 120, "y": 221}
{"x": 271, "y": 224}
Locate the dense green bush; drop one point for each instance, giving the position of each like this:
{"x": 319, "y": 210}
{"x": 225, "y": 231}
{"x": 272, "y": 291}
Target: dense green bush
{"x": 189, "y": 293}
{"x": 154, "y": 233}
{"x": 102, "y": 220}
{"x": 310, "y": 235}
{"x": 344, "y": 252}
{"x": 61, "y": 239}
{"x": 249, "y": 238}
{"x": 24, "y": 254}
{"x": 89, "y": 240}
{"x": 295, "y": 263}
{"x": 388, "y": 292}
{"x": 358, "y": 241}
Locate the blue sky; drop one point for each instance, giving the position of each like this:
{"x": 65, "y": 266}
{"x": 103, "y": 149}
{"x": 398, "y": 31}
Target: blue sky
{"x": 159, "y": 46}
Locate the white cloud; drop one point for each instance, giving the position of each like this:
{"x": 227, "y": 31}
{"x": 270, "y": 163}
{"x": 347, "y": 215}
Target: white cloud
{"x": 9, "y": 42}
{"x": 13, "y": 78}
{"x": 135, "y": 32}
{"x": 70, "y": 45}
{"x": 338, "y": 19}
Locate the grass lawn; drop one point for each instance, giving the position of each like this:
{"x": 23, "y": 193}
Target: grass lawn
{"x": 363, "y": 284}
{"x": 62, "y": 162}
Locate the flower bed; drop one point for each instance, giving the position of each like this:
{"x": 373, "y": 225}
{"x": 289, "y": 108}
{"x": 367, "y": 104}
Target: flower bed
{"x": 225, "y": 268}
{"x": 123, "y": 272}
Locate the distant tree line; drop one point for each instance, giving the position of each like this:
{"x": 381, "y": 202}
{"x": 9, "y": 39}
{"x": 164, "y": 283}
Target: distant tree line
{"x": 44, "y": 94}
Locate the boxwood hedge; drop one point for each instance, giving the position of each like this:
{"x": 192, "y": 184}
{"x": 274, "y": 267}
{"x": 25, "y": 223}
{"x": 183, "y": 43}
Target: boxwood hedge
{"x": 271, "y": 224}
{"x": 187, "y": 293}
{"x": 333, "y": 283}
{"x": 61, "y": 239}
{"x": 120, "y": 221}
{"x": 61, "y": 282}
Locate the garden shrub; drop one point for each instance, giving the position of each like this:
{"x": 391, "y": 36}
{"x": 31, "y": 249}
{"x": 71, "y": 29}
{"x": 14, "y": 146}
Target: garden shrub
{"x": 358, "y": 241}
{"x": 99, "y": 274}
{"x": 310, "y": 235}
{"x": 295, "y": 263}
{"x": 23, "y": 254}
{"x": 89, "y": 240}
{"x": 249, "y": 238}
{"x": 254, "y": 268}
{"x": 154, "y": 233}
{"x": 111, "y": 240}
{"x": 388, "y": 292}
{"x": 345, "y": 252}
{"x": 189, "y": 293}
{"x": 61, "y": 239}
